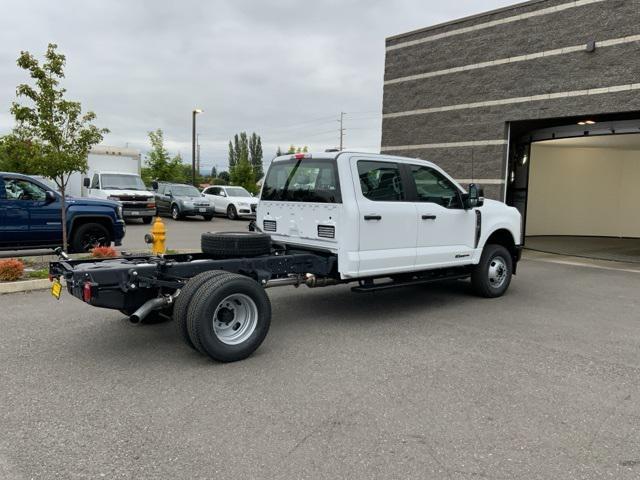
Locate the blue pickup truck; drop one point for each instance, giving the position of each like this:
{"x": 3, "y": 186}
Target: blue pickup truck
{"x": 30, "y": 217}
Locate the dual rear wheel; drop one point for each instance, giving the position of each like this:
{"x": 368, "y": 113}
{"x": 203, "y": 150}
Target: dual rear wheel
{"x": 223, "y": 315}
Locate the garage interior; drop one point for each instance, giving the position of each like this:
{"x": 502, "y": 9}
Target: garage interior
{"x": 579, "y": 194}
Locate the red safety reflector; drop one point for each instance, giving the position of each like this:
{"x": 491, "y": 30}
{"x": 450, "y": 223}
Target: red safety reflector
{"x": 51, "y": 277}
{"x": 300, "y": 156}
{"x": 86, "y": 292}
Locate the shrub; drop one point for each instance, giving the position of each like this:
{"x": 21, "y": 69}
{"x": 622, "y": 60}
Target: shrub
{"x": 103, "y": 252}
{"x": 11, "y": 270}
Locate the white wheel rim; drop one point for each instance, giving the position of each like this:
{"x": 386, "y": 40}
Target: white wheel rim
{"x": 497, "y": 273}
{"x": 235, "y": 319}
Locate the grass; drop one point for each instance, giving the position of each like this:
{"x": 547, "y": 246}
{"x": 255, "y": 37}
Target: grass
{"x": 33, "y": 274}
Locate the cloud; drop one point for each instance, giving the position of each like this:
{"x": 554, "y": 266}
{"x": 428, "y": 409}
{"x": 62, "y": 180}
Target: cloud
{"x": 284, "y": 69}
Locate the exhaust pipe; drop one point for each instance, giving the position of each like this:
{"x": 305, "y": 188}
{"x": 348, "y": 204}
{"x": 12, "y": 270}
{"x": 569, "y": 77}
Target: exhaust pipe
{"x": 148, "y": 307}
{"x": 309, "y": 280}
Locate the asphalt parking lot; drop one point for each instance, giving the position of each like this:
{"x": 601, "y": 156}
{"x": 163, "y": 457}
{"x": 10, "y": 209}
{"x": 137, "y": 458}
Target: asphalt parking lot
{"x": 423, "y": 382}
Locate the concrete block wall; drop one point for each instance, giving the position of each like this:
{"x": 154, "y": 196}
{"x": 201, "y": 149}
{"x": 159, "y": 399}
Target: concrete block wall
{"x": 451, "y": 90}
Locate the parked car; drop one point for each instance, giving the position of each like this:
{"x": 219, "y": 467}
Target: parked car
{"x": 179, "y": 201}
{"x": 234, "y": 202}
{"x": 31, "y": 217}
{"x": 374, "y": 221}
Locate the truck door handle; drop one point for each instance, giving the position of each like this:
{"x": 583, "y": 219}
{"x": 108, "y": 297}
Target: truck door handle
{"x": 428, "y": 217}
{"x": 373, "y": 217}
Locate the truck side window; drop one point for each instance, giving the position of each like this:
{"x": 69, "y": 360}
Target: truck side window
{"x": 380, "y": 181}
{"x": 95, "y": 182}
{"x": 23, "y": 190}
{"x": 434, "y": 187}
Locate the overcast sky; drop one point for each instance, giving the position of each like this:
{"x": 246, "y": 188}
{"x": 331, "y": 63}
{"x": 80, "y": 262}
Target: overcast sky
{"x": 284, "y": 69}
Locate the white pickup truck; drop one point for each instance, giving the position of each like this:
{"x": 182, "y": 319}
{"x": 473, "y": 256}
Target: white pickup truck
{"x": 323, "y": 219}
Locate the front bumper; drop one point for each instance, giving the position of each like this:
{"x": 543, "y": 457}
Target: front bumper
{"x": 191, "y": 211}
{"x": 134, "y": 212}
{"x": 119, "y": 231}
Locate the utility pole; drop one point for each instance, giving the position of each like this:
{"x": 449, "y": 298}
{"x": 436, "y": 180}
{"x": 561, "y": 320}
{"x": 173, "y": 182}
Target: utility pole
{"x": 195, "y": 112}
{"x": 341, "y": 130}
{"x": 197, "y": 154}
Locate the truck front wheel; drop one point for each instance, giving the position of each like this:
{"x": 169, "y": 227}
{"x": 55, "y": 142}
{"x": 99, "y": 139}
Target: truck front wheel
{"x": 229, "y": 318}
{"x": 88, "y": 236}
{"x": 492, "y": 276}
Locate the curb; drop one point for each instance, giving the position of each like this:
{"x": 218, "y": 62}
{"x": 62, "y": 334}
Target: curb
{"x": 25, "y": 286}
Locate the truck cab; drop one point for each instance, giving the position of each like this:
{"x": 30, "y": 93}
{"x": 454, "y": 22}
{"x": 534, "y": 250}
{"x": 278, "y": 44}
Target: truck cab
{"x": 126, "y": 188}
{"x": 381, "y": 215}
{"x": 31, "y": 217}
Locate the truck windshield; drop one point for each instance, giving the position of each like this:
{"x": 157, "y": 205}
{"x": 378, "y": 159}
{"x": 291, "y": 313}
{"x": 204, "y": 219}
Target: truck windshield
{"x": 305, "y": 180}
{"x": 114, "y": 181}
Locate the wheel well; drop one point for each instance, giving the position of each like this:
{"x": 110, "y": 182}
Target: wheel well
{"x": 503, "y": 237}
{"x": 105, "y": 222}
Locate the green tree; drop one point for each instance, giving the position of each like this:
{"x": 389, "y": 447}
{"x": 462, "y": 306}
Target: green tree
{"x": 159, "y": 164}
{"x": 18, "y": 155}
{"x": 279, "y": 152}
{"x": 293, "y": 149}
{"x": 224, "y": 176}
{"x": 255, "y": 155}
{"x": 232, "y": 154}
{"x": 214, "y": 172}
{"x": 60, "y": 136}
{"x": 241, "y": 173}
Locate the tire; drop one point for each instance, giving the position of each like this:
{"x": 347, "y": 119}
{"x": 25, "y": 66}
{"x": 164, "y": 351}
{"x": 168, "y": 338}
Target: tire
{"x": 235, "y": 244}
{"x": 88, "y": 236}
{"x": 230, "y": 317}
{"x": 492, "y": 276}
{"x": 185, "y": 298}
{"x": 175, "y": 212}
{"x": 147, "y": 220}
{"x": 207, "y": 218}
{"x": 232, "y": 213}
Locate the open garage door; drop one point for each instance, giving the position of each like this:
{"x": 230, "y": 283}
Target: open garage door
{"x": 582, "y": 197}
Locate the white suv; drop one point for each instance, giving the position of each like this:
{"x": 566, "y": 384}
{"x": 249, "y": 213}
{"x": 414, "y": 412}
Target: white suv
{"x": 234, "y": 202}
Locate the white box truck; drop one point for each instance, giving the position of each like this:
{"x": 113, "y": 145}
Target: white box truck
{"x": 114, "y": 174}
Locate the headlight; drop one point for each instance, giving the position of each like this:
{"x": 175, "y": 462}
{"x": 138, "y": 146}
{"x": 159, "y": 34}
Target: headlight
{"x": 188, "y": 204}
{"x": 243, "y": 204}
{"x": 119, "y": 212}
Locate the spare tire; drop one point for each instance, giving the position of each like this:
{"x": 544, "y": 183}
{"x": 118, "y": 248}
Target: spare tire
{"x": 235, "y": 244}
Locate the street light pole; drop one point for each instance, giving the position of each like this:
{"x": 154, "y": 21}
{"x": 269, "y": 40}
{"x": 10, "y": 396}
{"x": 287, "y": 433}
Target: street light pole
{"x": 193, "y": 145}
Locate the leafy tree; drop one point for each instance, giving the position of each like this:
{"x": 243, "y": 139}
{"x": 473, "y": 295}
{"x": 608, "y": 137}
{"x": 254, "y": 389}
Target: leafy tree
{"x": 224, "y": 176}
{"x": 214, "y": 172}
{"x": 159, "y": 165}
{"x": 18, "y": 155}
{"x": 255, "y": 155}
{"x": 293, "y": 149}
{"x": 232, "y": 154}
{"x": 59, "y": 135}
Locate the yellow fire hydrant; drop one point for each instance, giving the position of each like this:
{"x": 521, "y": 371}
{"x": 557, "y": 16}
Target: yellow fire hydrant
{"x": 157, "y": 238}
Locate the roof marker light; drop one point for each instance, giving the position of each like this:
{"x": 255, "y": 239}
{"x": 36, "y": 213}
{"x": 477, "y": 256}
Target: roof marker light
{"x": 300, "y": 156}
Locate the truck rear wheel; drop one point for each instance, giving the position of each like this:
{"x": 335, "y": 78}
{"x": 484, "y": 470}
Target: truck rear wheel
{"x": 185, "y": 298}
{"x": 492, "y": 276}
{"x": 88, "y": 236}
{"x": 147, "y": 220}
{"x": 230, "y": 317}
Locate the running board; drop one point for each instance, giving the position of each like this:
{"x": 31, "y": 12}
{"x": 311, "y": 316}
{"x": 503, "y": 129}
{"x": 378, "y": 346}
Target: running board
{"x": 372, "y": 287}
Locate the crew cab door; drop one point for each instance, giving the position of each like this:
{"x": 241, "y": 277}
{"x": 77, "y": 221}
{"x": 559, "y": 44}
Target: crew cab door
{"x": 387, "y": 218}
{"x": 446, "y": 231}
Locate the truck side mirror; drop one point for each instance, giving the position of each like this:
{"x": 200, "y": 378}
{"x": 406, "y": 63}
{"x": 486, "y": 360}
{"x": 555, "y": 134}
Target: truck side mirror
{"x": 86, "y": 182}
{"x": 474, "y": 197}
{"x": 49, "y": 197}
